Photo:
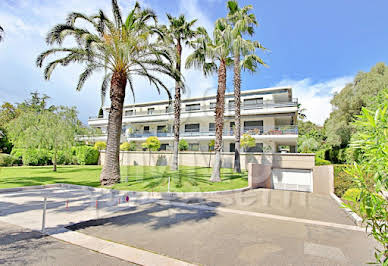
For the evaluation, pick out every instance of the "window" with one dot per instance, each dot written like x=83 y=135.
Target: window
x=193 y=107
x=231 y=104
x=146 y=129
x=257 y=148
x=163 y=147
x=150 y=111
x=193 y=146
x=212 y=127
x=192 y=128
x=253 y=102
x=212 y=105
x=253 y=127
x=232 y=147
x=128 y=113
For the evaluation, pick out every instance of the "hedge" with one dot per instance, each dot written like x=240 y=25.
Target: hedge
x=86 y=155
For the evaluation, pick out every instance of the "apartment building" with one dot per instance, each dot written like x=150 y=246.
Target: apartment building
x=268 y=115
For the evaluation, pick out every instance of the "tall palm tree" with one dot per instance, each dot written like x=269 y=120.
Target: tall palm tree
x=1 y=33
x=122 y=49
x=208 y=52
x=178 y=31
x=243 y=22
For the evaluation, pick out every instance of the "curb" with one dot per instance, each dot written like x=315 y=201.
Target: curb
x=163 y=195
x=356 y=219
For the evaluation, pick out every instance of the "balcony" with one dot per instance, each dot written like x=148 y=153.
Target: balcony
x=204 y=108
x=254 y=131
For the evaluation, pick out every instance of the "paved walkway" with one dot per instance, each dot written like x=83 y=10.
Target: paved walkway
x=257 y=227
x=21 y=246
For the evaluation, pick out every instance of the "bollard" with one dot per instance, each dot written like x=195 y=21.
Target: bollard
x=169 y=184
x=44 y=215
x=96 y=204
x=67 y=204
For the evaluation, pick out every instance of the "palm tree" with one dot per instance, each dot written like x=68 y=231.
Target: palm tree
x=121 y=49
x=179 y=30
x=243 y=22
x=1 y=33
x=206 y=55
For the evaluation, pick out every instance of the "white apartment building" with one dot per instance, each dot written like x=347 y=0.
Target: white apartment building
x=268 y=115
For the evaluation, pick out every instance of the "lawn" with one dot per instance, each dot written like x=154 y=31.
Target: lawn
x=140 y=178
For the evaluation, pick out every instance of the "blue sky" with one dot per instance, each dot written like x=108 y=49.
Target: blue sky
x=315 y=46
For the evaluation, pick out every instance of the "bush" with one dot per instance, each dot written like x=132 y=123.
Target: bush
x=6 y=160
x=17 y=154
x=131 y=146
x=100 y=145
x=36 y=157
x=319 y=161
x=64 y=157
x=352 y=194
x=86 y=155
x=320 y=154
x=183 y=145
x=344 y=181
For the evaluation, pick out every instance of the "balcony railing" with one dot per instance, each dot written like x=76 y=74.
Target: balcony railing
x=276 y=130
x=265 y=104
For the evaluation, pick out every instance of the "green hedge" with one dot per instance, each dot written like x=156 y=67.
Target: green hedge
x=343 y=181
x=86 y=155
x=36 y=157
x=319 y=161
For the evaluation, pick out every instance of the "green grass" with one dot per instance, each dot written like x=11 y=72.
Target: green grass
x=140 y=178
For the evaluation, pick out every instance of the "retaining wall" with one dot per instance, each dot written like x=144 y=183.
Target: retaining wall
x=206 y=159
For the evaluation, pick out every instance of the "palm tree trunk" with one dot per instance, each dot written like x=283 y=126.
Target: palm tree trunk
x=220 y=106
x=237 y=117
x=111 y=170
x=177 y=109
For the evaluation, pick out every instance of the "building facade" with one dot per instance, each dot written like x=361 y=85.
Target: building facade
x=268 y=115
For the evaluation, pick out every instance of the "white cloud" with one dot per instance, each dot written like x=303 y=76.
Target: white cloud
x=26 y=23
x=315 y=96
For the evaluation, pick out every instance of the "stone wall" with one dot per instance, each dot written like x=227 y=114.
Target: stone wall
x=206 y=159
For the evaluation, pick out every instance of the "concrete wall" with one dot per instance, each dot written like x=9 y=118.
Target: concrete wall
x=206 y=159
x=323 y=179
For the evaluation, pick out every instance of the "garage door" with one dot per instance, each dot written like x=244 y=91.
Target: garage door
x=292 y=179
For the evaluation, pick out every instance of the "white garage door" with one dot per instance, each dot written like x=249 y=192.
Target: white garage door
x=292 y=179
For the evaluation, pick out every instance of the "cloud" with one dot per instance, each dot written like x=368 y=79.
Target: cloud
x=315 y=96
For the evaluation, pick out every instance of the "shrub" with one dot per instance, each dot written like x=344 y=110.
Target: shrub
x=100 y=145
x=342 y=180
x=320 y=154
x=86 y=155
x=17 y=154
x=152 y=144
x=6 y=160
x=352 y=194
x=36 y=157
x=131 y=146
x=183 y=145
x=319 y=161
x=64 y=157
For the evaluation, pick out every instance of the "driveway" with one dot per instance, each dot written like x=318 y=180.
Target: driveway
x=242 y=233
x=265 y=227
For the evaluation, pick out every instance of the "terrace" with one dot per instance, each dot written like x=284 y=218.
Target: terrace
x=204 y=108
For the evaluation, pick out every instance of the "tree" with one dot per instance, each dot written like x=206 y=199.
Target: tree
x=247 y=141
x=128 y=146
x=179 y=31
x=51 y=130
x=123 y=49
x=347 y=104
x=100 y=145
x=372 y=141
x=183 y=145
x=307 y=144
x=243 y=22
x=207 y=53
x=152 y=144
x=100 y=113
